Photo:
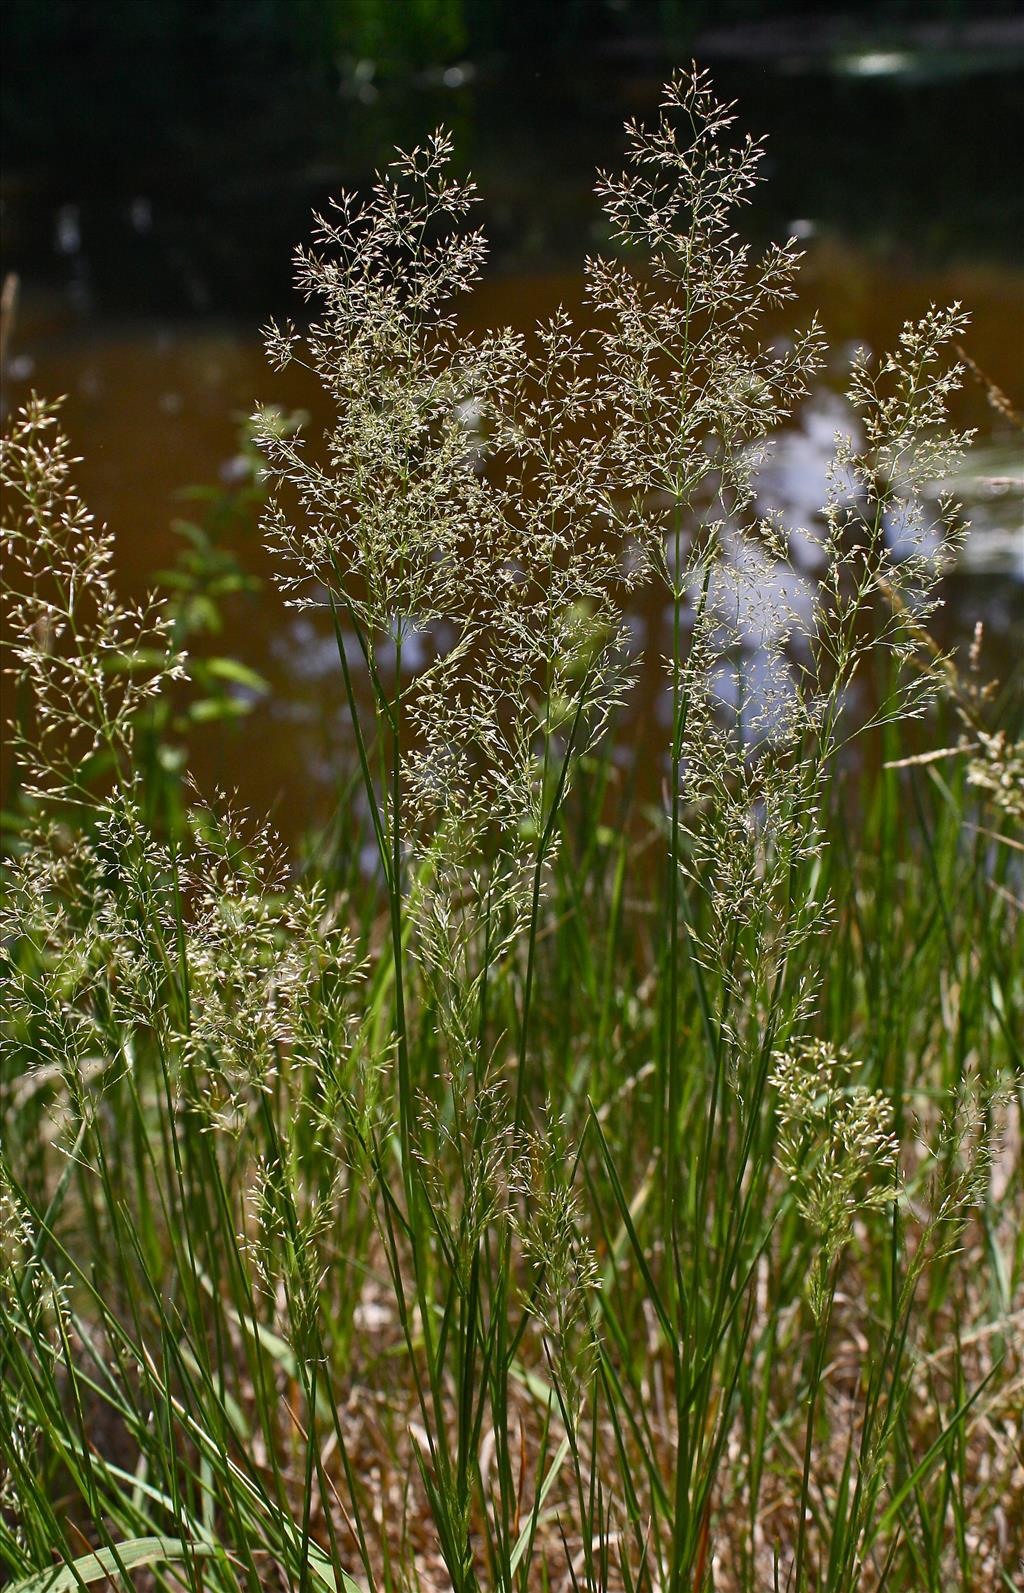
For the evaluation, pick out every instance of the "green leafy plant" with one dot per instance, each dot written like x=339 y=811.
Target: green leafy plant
x=515 y=1219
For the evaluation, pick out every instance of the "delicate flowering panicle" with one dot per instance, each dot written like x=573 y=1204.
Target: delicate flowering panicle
x=385 y=517
x=82 y=970
x=960 y=1160
x=747 y=830
x=100 y=959
x=995 y=762
x=751 y=803
x=501 y=722
x=290 y=1247
x=85 y=662
x=761 y=662
x=903 y=403
x=690 y=395
x=885 y=542
x=269 y=969
x=835 y=1145
x=563 y=1269
x=471 y=1136
x=693 y=401
x=458 y=497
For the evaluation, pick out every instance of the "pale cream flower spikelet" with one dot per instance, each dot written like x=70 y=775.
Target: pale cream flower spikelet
x=835 y=1145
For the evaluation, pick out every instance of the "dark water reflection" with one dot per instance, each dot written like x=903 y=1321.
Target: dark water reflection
x=142 y=288
x=179 y=185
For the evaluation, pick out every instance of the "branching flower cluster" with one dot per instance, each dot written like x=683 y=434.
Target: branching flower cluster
x=455 y=499
x=837 y=1147
x=762 y=664
x=117 y=936
x=83 y=663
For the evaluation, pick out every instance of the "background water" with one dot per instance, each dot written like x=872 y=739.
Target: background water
x=162 y=158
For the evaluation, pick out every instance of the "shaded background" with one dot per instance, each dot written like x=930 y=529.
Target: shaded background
x=165 y=154
x=161 y=158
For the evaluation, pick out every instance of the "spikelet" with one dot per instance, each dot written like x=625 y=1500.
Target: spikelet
x=837 y=1148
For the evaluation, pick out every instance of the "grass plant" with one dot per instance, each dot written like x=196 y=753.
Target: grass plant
x=577 y=1196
